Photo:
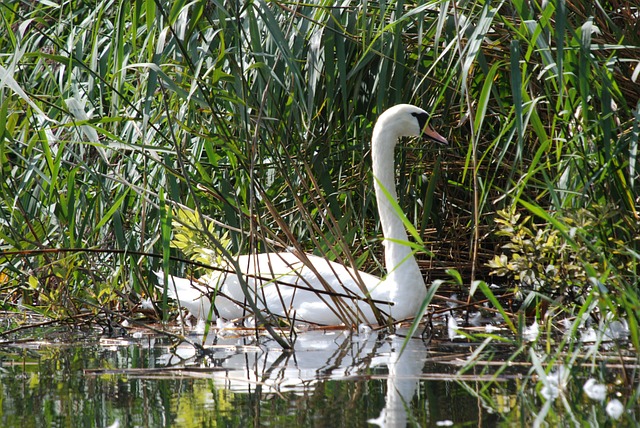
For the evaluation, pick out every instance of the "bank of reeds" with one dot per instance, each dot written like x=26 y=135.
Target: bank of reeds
x=115 y=117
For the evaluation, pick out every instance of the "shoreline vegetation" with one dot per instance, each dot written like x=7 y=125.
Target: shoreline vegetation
x=152 y=136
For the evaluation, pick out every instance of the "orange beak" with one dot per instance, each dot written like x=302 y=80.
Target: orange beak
x=431 y=134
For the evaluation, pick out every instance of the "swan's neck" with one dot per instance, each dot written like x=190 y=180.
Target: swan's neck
x=400 y=262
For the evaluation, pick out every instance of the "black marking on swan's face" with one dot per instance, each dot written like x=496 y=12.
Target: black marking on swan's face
x=427 y=131
x=422 y=119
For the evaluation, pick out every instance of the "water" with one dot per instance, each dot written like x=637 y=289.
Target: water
x=331 y=379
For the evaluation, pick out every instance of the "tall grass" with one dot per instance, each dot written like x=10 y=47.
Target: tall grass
x=258 y=115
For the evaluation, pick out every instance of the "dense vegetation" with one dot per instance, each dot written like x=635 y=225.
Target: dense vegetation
x=118 y=119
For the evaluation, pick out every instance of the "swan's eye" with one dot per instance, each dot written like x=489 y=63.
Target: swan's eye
x=422 y=119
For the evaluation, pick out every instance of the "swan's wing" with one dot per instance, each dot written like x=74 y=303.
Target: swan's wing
x=316 y=290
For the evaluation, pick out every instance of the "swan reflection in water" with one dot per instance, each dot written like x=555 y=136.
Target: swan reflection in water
x=242 y=366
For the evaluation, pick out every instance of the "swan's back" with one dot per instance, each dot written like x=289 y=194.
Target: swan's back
x=292 y=288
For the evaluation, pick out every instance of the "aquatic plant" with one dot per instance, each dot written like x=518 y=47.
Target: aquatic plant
x=539 y=257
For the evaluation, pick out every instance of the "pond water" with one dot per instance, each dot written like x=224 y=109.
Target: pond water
x=331 y=379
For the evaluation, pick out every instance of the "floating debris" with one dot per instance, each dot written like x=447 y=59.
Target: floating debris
x=490 y=328
x=614 y=409
x=554 y=383
x=146 y=305
x=612 y=331
x=530 y=334
x=364 y=329
x=594 y=390
x=617 y=330
x=452 y=328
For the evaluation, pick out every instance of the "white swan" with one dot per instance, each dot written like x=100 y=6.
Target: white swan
x=271 y=275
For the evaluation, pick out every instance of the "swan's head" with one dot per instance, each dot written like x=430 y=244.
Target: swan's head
x=406 y=120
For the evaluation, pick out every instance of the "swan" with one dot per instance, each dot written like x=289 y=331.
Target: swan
x=294 y=285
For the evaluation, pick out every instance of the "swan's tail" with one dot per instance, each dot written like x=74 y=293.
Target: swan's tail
x=175 y=284
x=185 y=291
